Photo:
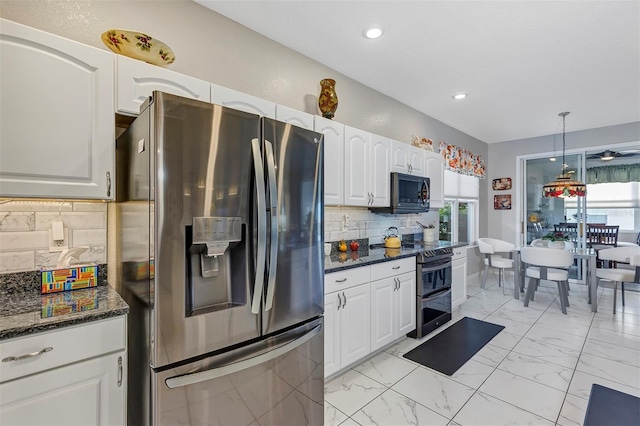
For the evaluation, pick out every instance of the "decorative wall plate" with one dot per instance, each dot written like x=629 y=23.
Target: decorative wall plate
x=139 y=46
x=501 y=184
x=502 y=202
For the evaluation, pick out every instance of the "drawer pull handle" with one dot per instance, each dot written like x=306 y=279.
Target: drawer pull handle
x=396 y=267
x=119 y=371
x=25 y=356
x=341 y=281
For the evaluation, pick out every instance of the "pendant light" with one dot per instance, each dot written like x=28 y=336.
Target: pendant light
x=564 y=186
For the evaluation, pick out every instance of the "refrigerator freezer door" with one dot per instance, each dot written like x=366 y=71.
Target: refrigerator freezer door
x=275 y=382
x=294 y=293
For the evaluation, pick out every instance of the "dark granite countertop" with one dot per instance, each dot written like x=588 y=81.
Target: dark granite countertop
x=24 y=311
x=339 y=261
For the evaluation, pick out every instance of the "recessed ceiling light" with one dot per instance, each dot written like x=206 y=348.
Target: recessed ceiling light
x=373 y=31
x=459 y=96
x=552 y=159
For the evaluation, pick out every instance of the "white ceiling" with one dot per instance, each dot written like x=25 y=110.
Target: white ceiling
x=522 y=62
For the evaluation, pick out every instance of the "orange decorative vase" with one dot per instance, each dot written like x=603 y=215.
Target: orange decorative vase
x=328 y=100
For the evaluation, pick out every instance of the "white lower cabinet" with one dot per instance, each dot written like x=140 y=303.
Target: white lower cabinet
x=361 y=316
x=459 y=276
x=68 y=376
x=393 y=302
x=347 y=337
x=86 y=393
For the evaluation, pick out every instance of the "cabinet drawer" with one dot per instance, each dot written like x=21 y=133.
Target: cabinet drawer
x=335 y=281
x=391 y=268
x=69 y=345
x=459 y=253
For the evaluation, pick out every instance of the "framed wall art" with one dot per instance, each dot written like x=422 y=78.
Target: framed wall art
x=501 y=184
x=502 y=202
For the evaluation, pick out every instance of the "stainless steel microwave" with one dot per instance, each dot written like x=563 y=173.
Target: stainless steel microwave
x=409 y=194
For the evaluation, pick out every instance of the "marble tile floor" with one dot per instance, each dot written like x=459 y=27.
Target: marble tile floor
x=537 y=371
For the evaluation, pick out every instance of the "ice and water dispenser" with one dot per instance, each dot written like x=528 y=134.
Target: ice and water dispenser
x=216 y=264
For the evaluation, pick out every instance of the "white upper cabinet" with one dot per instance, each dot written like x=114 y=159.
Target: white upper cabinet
x=357 y=167
x=333 y=160
x=434 y=168
x=237 y=100
x=57 y=132
x=137 y=80
x=295 y=117
x=407 y=159
x=367 y=166
x=379 y=179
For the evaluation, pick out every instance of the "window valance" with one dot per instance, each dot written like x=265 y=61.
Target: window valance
x=462 y=160
x=614 y=173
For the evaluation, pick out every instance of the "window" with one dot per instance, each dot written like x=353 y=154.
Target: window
x=459 y=220
x=610 y=203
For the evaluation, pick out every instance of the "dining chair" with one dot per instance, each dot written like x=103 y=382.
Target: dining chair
x=618 y=255
x=568 y=229
x=544 y=265
x=491 y=248
x=601 y=237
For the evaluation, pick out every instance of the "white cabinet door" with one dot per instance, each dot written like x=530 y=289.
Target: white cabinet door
x=136 y=80
x=237 y=100
x=379 y=179
x=87 y=393
x=406 y=304
x=434 y=167
x=356 y=167
x=383 y=312
x=57 y=123
x=399 y=157
x=295 y=117
x=333 y=160
x=416 y=161
x=355 y=314
x=331 y=334
x=459 y=277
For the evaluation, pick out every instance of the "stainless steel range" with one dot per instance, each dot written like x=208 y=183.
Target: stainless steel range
x=433 y=289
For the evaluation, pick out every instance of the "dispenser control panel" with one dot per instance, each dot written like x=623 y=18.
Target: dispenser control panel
x=216 y=229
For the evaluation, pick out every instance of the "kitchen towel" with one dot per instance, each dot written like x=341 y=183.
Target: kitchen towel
x=453 y=347
x=609 y=407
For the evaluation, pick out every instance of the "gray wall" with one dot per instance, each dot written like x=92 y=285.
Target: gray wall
x=213 y=48
x=503 y=224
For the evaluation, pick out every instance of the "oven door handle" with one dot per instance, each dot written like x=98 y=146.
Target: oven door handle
x=438 y=294
x=430 y=268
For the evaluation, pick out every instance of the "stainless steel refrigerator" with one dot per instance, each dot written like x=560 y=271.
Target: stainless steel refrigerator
x=220 y=232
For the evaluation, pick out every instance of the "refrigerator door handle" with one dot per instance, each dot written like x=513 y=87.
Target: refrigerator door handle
x=192 y=378
x=262 y=227
x=273 y=201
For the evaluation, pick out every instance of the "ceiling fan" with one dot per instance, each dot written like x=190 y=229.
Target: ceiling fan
x=608 y=155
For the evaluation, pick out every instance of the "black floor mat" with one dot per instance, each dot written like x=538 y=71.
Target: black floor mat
x=609 y=407
x=450 y=349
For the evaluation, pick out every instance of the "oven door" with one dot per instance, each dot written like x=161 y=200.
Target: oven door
x=435 y=276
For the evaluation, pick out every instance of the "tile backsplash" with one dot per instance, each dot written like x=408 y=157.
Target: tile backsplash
x=362 y=223
x=24 y=229
x=24 y=232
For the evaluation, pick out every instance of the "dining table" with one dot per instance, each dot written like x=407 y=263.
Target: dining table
x=587 y=254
